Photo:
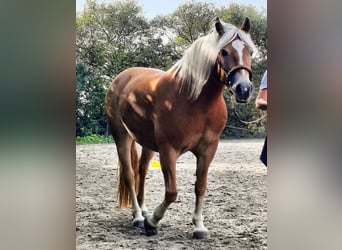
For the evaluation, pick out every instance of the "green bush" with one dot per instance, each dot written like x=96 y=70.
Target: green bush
x=93 y=139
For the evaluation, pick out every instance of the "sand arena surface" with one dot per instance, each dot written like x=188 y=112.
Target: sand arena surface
x=235 y=204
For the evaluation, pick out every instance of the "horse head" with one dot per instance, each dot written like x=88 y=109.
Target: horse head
x=234 y=60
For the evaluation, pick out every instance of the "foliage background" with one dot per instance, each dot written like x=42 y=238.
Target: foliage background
x=113 y=37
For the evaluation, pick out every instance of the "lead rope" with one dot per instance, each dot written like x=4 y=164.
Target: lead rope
x=249 y=122
x=239 y=118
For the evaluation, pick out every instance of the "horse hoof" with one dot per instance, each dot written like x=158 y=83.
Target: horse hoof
x=138 y=223
x=149 y=229
x=200 y=235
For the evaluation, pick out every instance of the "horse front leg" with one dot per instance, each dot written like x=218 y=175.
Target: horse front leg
x=204 y=159
x=168 y=165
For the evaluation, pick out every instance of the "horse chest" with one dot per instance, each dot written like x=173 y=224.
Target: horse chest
x=193 y=123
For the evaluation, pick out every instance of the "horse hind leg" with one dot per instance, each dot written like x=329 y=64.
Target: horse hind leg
x=140 y=168
x=127 y=188
x=146 y=156
x=127 y=157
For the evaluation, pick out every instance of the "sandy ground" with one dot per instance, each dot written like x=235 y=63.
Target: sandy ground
x=235 y=207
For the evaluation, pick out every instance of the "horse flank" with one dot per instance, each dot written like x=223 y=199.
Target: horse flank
x=194 y=68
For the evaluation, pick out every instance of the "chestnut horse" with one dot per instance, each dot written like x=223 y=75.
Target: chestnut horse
x=177 y=111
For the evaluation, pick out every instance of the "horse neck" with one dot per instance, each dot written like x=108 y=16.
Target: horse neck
x=213 y=89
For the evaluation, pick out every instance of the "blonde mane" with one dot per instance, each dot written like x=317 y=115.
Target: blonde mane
x=194 y=68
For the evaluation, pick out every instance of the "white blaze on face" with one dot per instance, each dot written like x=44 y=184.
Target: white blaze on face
x=239 y=45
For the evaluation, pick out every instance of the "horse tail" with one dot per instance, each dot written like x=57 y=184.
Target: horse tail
x=123 y=191
x=124 y=197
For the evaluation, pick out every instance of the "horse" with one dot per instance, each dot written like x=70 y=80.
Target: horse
x=175 y=111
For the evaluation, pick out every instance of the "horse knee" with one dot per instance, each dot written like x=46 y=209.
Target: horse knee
x=171 y=196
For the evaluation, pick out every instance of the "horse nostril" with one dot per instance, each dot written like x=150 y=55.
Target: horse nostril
x=238 y=89
x=242 y=89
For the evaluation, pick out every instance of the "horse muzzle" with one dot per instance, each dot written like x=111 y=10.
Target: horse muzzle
x=240 y=84
x=242 y=91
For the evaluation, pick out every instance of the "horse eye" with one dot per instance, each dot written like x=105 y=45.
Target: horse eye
x=224 y=52
x=251 y=52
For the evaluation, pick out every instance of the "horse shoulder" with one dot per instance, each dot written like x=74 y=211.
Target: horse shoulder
x=218 y=115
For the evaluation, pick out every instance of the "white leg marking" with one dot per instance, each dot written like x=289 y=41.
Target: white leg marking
x=158 y=214
x=137 y=213
x=197 y=220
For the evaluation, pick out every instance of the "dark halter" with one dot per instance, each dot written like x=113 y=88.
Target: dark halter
x=228 y=74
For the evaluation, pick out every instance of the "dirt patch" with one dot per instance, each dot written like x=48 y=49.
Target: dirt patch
x=235 y=206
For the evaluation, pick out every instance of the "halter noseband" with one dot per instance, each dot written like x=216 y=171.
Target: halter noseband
x=228 y=74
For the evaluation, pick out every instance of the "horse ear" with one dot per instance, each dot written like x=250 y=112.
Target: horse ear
x=219 y=26
x=246 y=26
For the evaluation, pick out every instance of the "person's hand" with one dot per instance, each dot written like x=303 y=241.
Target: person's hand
x=261 y=104
x=261 y=100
